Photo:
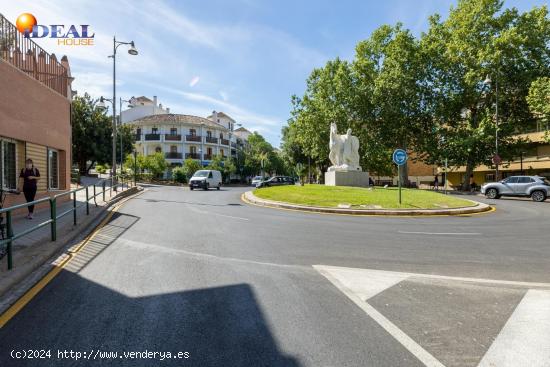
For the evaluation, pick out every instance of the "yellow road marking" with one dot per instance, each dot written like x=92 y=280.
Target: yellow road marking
x=492 y=209
x=71 y=254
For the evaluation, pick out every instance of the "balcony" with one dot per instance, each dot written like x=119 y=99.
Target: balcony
x=224 y=142
x=192 y=138
x=210 y=139
x=31 y=59
x=137 y=137
x=207 y=157
x=192 y=155
x=172 y=137
x=152 y=137
x=173 y=155
x=233 y=145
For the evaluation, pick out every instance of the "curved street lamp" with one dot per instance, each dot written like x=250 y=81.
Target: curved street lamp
x=132 y=51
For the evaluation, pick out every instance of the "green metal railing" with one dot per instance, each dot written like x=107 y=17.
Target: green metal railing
x=116 y=182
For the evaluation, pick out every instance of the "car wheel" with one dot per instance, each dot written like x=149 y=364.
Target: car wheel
x=205 y=187
x=538 y=196
x=218 y=187
x=492 y=194
x=191 y=188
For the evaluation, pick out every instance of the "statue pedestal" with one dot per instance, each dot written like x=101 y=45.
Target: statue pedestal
x=347 y=178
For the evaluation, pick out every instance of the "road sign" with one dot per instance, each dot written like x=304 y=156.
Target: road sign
x=497 y=159
x=399 y=157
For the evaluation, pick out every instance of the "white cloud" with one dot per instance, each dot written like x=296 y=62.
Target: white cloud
x=194 y=81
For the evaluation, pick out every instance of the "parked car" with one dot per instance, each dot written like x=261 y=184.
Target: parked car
x=276 y=181
x=257 y=179
x=205 y=179
x=538 y=188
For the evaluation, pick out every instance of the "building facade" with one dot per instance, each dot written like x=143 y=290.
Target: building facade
x=533 y=160
x=180 y=137
x=35 y=113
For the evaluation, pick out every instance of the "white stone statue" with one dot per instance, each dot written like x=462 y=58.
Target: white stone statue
x=344 y=151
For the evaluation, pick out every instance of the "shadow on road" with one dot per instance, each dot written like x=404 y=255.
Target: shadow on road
x=185 y=202
x=221 y=326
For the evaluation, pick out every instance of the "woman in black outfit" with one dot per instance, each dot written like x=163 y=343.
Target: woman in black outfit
x=29 y=176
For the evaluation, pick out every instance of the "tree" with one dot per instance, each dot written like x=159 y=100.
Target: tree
x=539 y=101
x=479 y=39
x=224 y=165
x=190 y=166
x=128 y=135
x=91 y=133
x=156 y=164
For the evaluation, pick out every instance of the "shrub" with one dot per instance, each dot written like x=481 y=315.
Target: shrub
x=178 y=174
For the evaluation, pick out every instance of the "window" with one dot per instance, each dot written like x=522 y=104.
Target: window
x=192 y=132
x=8 y=176
x=221 y=135
x=209 y=134
x=524 y=179
x=173 y=131
x=193 y=149
x=53 y=169
x=138 y=132
x=209 y=151
x=154 y=130
x=511 y=180
x=173 y=149
x=221 y=152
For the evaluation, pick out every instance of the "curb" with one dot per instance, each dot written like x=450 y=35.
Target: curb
x=250 y=198
x=27 y=275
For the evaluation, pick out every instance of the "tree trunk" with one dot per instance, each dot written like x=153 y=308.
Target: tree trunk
x=469 y=172
x=89 y=167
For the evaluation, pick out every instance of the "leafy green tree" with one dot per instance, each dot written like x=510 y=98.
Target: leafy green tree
x=179 y=174
x=190 y=166
x=539 y=102
x=224 y=165
x=156 y=164
x=128 y=139
x=91 y=133
x=479 y=38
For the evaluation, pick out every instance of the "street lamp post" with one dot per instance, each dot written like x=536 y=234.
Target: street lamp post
x=496 y=158
x=132 y=51
x=120 y=125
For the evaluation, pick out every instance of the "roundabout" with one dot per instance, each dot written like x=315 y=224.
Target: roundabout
x=360 y=201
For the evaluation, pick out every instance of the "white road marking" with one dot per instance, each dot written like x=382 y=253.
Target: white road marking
x=444 y=233
x=213 y=213
x=444 y=277
x=525 y=338
x=386 y=324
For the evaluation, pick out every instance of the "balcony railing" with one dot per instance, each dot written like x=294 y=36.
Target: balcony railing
x=224 y=142
x=192 y=138
x=152 y=137
x=172 y=137
x=173 y=155
x=27 y=56
x=192 y=155
x=210 y=139
x=207 y=157
x=233 y=145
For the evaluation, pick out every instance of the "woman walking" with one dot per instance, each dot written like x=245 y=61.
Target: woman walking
x=28 y=178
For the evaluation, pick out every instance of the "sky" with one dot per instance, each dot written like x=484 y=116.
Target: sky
x=243 y=57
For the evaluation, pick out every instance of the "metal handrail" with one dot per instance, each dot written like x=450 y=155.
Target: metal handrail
x=116 y=182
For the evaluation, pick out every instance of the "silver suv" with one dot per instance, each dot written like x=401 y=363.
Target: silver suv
x=538 y=188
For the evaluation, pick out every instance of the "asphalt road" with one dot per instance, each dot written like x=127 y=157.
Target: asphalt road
x=234 y=285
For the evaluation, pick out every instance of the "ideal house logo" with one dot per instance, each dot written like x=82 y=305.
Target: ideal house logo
x=68 y=36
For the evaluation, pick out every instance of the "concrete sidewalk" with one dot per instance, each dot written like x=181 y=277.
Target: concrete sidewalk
x=31 y=251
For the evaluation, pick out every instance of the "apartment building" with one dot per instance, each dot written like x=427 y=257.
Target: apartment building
x=533 y=160
x=35 y=113
x=181 y=136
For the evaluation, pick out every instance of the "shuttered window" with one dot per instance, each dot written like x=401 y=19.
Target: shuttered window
x=53 y=169
x=8 y=160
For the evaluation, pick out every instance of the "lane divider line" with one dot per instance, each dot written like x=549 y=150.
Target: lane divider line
x=58 y=266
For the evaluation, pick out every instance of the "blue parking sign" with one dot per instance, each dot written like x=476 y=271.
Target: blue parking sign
x=399 y=157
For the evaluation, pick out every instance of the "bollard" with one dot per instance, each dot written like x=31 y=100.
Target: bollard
x=87 y=203
x=53 y=217
x=95 y=201
x=74 y=208
x=10 y=238
x=104 y=191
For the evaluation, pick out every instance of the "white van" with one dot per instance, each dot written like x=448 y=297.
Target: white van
x=205 y=179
